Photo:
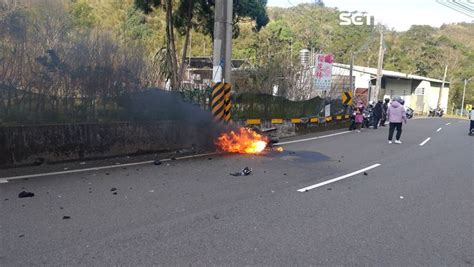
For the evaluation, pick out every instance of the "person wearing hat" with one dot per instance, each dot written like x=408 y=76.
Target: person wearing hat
x=396 y=116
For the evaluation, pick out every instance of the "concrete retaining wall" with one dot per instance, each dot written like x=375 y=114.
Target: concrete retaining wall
x=24 y=144
x=21 y=145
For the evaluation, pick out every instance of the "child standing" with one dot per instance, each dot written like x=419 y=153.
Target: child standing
x=359 y=116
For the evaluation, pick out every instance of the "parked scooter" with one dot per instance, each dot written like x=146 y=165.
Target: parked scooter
x=436 y=112
x=409 y=112
x=368 y=117
x=439 y=112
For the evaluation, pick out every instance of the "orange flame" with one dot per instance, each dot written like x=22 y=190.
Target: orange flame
x=278 y=149
x=245 y=141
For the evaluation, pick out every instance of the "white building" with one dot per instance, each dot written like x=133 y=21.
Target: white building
x=420 y=93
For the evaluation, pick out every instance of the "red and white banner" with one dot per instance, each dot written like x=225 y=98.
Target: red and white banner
x=323 y=72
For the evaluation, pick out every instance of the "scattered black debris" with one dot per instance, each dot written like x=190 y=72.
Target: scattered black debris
x=157 y=162
x=61 y=208
x=24 y=194
x=173 y=158
x=124 y=168
x=138 y=169
x=113 y=189
x=47 y=193
x=23 y=205
x=216 y=216
x=38 y=161
x=365 y=173
x=90 y=192
x=66 y=217
x=285 y=173
x=107 y=173
x=264 y=171
x=6 y=199
x=209 y=158
x=115 y=193
x=21 y=235
x=339 y=161
x=244 y=172
x=131 y=188
x=292 y=152
x=329 y=188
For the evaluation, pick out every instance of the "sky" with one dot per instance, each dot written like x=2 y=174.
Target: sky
x=397 y=14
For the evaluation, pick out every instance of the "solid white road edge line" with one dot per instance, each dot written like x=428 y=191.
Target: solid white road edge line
x=424 y=142
x=5 y=179
x=448 y=123
x=439 y=129
x=338 y=178
x=310 y=139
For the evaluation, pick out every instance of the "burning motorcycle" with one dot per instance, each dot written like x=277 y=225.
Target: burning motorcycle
x=246 y=140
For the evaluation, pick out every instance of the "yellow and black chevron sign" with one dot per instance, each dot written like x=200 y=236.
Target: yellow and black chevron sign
x=220 y=101
x=347 y=98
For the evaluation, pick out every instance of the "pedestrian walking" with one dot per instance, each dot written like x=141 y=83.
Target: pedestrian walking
x=396 y=116
x=359 y=116
x=378 y=112
x=384 y=112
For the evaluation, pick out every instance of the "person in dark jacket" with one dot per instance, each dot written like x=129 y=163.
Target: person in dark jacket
x=378 y=112
x=384 y=112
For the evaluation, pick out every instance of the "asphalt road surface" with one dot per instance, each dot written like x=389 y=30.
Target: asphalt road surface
x=312 y=204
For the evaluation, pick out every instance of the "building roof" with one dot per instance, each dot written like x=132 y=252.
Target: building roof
x=388 y=73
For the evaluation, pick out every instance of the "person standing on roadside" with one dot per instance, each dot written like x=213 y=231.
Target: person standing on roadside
x=359 y=116
x=396 y=116
x=378 y=112
x=384 y=112
x=471 y=117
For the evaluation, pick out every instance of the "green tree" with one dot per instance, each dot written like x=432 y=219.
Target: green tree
x=199 y=15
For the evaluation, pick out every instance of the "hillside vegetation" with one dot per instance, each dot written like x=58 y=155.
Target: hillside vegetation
x=98 y=49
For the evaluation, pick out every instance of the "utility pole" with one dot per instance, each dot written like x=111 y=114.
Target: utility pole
x=351 y=85
x=378 y=84
x=228 y=41
x=291 y=52
x=220 y=101
x=222 y=55
x=442 y=86
x=463 y=95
